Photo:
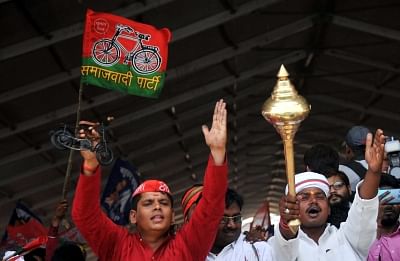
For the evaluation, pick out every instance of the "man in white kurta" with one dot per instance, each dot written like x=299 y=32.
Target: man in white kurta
x=350 y=242
x=241 y=249
x=230 y=243
x=317 y=240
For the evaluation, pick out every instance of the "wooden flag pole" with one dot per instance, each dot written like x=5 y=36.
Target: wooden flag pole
x=67 y=179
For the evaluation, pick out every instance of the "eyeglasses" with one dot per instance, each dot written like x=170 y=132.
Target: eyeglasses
x=337 y=185
x=236 y=219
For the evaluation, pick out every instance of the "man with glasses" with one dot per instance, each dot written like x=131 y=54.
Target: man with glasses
x=230 y=242
x=317 y=240
x=339 y=197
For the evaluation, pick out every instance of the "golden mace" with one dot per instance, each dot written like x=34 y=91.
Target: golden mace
x=285 y=110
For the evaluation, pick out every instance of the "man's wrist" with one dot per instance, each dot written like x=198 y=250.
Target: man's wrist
x=285 y=230
x=219 y=156
x=89 y=167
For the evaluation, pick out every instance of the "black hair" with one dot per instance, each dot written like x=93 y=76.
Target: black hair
x=340 y=174
x=388 y=180
x=69 y=251
x=136 y=199
x=232 y=196
x=322 y=159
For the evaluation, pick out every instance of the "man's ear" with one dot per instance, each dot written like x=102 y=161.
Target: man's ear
x=133 y=216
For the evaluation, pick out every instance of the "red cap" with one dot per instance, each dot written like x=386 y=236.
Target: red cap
x=152 y=185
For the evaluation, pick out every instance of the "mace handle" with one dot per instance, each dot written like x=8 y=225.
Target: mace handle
x=289 y=159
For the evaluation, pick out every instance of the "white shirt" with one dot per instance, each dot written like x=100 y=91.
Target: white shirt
x=354 y=178
x=350 y=242
x=244 y=251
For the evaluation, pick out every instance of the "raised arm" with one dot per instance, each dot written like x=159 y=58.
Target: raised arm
x=360 y=226
x=52 y=241
x=94 y=225
x=374 y=150
x=200 y=231
x=216 y=137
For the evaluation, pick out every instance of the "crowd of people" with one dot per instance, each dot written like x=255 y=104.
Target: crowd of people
x=342 y=216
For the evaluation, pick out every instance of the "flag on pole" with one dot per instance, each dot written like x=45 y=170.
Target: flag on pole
x=116 y=198
x=121 y=54
x=23 y=227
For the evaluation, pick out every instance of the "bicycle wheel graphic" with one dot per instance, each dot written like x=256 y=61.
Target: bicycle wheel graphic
x=106 y=53
x=146 y=61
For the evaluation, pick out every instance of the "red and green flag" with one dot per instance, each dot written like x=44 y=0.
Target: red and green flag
x=121 y=54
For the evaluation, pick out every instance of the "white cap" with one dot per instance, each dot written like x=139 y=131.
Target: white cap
x=310 y=180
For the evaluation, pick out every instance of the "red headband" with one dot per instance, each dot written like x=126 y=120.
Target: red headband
x=152 y=186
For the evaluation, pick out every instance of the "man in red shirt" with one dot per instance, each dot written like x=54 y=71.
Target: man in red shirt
x=152 y=208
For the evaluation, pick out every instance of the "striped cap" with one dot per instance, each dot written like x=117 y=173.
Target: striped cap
x=310 y=180
x=191 y=196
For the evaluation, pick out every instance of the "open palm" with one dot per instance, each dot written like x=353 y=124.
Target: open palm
x=216 y=136
x=374 y=150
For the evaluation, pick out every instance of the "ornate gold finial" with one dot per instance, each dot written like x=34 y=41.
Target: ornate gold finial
x=285 y=106
x=282 y=73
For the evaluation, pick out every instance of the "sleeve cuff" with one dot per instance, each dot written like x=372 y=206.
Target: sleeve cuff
x=366 y=202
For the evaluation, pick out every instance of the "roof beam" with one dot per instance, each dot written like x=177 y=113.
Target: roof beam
x=362 y=60
x=72 y=31
x=359 y=85
x=132 y=10
x=355 y=106
x=198 y=64
x=162 y=105
x=366 y=27
x=262 y=68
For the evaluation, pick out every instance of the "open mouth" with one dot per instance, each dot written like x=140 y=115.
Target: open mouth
x=157 y=218
x=313 y=211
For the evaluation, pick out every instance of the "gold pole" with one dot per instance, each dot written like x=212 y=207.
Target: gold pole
x=289 y=159
x=285 y=110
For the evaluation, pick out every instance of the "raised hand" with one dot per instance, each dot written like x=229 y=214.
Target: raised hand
x=256 y=234
x=289 y=209
x=374 y=151
x=90 y=133
x=216 y=136
x=60 y=212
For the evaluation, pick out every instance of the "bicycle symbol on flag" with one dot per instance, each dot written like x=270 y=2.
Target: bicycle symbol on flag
x=144 y=59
